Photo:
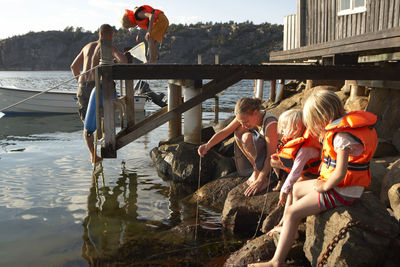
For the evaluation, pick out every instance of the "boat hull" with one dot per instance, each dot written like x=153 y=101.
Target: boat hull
x=49 y=102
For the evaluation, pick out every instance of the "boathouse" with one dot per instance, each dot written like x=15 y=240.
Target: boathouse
x=357 y=41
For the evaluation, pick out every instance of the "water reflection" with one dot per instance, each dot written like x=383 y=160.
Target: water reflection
x=114 y=233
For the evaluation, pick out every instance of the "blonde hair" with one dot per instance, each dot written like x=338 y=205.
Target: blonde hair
x=290 y=123
x=247 y=105
x=125 y=22
x=321 y=108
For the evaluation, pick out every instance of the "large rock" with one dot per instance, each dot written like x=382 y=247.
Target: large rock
x=358 y=247
x=356 y=103
x=241 y=213
x=392 y=177
x=394 y=198
x=260 y=249
x=272 y=219
x=180 y=163
x=385 y=103
x=379 y=168
x=214 y=193
x=385 y=149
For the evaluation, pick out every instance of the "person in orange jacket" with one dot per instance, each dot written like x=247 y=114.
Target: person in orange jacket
x=298 y=156
x=348 y=144
x=150 y=19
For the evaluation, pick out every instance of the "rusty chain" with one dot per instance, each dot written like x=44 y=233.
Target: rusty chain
x=342 y=232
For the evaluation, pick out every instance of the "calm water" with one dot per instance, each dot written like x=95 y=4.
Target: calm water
x=53 y=212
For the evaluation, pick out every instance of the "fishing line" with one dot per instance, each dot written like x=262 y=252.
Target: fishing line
x=265 y=201
x=197 y=202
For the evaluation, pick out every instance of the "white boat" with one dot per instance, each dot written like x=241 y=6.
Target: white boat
x=50 y=102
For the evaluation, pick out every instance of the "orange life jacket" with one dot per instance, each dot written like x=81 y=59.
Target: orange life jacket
x=359 y=124
x=142 y=23
x=287 y=153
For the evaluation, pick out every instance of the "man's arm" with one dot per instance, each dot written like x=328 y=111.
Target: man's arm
x=121 y=58
x=76 y=65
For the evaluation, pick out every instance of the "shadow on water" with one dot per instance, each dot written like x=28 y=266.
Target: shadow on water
x=115 y=235
x=26 y=125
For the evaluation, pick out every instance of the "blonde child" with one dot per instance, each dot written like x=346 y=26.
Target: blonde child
x=255 y=134
x=299 y=156
x=349 y=142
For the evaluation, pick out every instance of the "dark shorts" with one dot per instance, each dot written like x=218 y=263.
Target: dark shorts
x=331 y=199
x=83 y=95
x=243 y=165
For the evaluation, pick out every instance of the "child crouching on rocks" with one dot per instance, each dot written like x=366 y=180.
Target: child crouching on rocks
x=255 y=134
x=349 y=142
x=299 y=156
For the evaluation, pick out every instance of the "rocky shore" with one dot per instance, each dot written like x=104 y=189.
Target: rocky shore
x=370 y=228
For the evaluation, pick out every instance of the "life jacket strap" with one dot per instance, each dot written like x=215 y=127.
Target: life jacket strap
x=351 y=166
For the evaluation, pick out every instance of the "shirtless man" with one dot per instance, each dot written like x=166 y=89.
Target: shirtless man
x=88 y=58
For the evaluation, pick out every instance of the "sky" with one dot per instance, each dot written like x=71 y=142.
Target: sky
x=18 y=17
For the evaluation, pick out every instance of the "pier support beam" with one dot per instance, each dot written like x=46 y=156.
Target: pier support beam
x=259 y=89
x=174 y=100
x=281 y=86
x=107 y=83
x=192 y=117
x=272 y=92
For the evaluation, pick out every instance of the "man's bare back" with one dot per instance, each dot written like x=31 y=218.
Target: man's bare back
x=88 y=58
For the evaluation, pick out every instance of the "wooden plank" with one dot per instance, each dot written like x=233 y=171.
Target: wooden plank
x=385 y=14
x=379 y=16
x=209 y=90
x=354 y=23
x=333 y=21
x=130 y=103
x=309 y=23
x=109 y=149
x=376 y=16
x=396 y=15
x=98 y=121
x=349 y=25
x=382 y=40
x=391 y=13
x=264 y=72
x=363 y=22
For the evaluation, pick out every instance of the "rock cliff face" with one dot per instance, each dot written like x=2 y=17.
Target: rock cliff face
x=236 y=43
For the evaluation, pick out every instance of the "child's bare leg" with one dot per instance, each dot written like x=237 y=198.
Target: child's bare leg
x=278 y=227
x=303 y=207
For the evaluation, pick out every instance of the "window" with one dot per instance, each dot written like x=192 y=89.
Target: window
x=347 y=7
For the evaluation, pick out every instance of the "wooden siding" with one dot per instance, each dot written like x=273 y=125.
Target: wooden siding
x=290 y=37
x=322 y=24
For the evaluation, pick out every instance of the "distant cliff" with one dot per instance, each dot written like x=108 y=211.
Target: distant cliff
x=236 y=43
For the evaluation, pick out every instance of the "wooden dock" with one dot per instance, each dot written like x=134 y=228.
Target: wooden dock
x=220 y=78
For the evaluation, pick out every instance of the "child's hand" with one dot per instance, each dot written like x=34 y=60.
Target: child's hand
x=282 y=198
x=319 y=186
x=202 y=150
x=275 y=162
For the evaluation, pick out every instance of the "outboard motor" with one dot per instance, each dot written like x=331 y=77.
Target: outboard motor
x=143 y=88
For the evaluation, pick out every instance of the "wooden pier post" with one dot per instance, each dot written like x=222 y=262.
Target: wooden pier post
x=216 y=98
x=259 y=89
x=280 y=91
x=130 y=100
x=192 y=117
x=107 y=84
x=272 y=92
x=174 y=100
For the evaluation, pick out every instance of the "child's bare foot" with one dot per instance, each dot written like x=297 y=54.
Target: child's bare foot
x=276 y=229
x=252 y=178
x=270 y=263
